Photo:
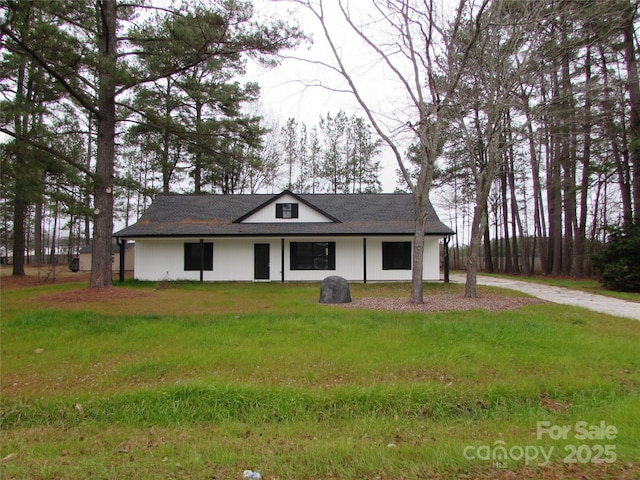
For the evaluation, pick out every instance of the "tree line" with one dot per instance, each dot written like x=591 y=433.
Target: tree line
x=550 y=113
x=337 y=155
x=523 y=117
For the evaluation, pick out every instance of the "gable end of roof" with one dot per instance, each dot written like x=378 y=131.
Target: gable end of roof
x=278 y=197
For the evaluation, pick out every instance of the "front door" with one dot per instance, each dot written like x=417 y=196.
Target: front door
x=261 y=261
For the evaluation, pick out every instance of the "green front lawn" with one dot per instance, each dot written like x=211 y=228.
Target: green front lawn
x=205 y=381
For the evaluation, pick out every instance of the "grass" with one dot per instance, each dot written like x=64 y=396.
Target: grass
x=204 y=381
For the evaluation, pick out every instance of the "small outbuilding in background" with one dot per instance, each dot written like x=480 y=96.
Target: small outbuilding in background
x=85 y=257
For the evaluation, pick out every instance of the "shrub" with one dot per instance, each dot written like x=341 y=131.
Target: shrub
x=618 y=263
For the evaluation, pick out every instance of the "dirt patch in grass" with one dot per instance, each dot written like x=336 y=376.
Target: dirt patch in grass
x=553 y=471
x=444 y=303
x=91 y=295
x=33 y=279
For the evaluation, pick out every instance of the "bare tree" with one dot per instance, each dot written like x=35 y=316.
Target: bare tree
x=415 y=46
x=484 y=99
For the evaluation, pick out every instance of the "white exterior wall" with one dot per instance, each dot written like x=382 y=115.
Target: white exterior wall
x=233 y=260
x=431 y=264
x=431 y=259
x=163 y=259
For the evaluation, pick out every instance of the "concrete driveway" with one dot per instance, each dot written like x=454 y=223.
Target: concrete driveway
x=598 y=303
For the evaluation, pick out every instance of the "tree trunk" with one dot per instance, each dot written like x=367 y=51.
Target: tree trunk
x=417 y=287
x=19 y=246
x=166 y=172
x=579 y=243
x=38 y=249
x=568 y=159
x=596 y=205
x=421 y=191
x=480 y=220
x=19 y=201
x=554 y=206
x=524 y=241
x=477 y=231
x=516 y=221
x=488 y=254
x=633 y=87
x=508 y=266
x=101 y=273
x=87 y=198
x=621 y=164
x=538 y=215
x=54 y=233
x=497 y=250
x=554 y=195
x=197 y=168
x=569 y=211
x=167 y=165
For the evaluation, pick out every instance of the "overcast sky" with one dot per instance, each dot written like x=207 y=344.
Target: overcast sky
x=287 y=90
x=302 y=90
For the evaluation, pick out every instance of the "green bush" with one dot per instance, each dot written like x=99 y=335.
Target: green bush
x=618 y=263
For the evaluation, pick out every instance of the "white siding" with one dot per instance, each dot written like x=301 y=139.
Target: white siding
x=375 y=272
x=233 y=260
x=267 y=214
x=160 y=259
x=431 y=259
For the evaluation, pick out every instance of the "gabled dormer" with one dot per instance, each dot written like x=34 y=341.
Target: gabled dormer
x=286 y=207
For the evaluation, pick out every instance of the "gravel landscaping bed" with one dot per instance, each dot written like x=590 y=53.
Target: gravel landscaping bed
x=443 y=303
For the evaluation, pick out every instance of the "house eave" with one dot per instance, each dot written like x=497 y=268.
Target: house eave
x=278 y=235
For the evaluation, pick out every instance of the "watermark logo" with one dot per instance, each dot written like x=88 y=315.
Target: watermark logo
x=499 y=453
x=580 y=431
x=581 y=448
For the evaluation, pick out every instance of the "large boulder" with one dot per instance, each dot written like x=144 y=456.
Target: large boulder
x=335 y=289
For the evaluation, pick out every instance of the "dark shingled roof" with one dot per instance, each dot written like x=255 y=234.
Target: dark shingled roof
x=221 y=215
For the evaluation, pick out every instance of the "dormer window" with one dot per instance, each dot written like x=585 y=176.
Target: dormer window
x=286 y=210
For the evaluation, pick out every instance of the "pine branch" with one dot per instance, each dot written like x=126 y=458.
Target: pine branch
x=82 y=99
x=49 y=150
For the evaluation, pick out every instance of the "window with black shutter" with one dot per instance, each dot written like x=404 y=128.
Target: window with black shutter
x=193 y=256
x=396 y=255
x=286 y=210
x=313 y=255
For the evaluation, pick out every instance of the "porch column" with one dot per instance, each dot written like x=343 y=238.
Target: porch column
x=282 y=259
x=202 y=259
x=364 y=259
x=446 y=259
x=122 y=243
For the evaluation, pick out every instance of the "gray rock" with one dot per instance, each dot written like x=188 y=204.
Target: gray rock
x=335 y=289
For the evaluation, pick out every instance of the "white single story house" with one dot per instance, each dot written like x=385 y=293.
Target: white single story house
x=281 y=237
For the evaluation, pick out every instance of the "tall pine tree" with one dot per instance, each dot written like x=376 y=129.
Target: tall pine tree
x=96 y=52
